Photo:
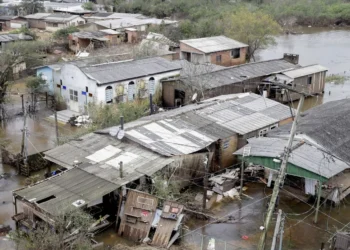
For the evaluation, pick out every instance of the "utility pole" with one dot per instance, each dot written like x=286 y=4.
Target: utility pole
x=121 y=169
x=318 y=200
x=282 y=232
x=24 y=151
x=56 y=122
x=206 y=167
x=246 y=152
x=279 y=181
x=277 y=229
x=151 y=104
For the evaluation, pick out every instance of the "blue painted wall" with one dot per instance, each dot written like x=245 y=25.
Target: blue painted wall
x=47 y=73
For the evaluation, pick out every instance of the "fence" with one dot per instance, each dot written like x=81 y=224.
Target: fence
x=199 y=241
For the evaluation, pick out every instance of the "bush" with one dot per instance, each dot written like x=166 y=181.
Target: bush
x=35 y=83
x=63 y=33
x=26 y=31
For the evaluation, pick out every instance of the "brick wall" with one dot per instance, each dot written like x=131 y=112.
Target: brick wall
x=227 y=60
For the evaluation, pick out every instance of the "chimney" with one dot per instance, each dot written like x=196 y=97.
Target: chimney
x=292 y=58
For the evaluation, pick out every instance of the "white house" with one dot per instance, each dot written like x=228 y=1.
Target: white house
x=113 y=82
x=58 y=21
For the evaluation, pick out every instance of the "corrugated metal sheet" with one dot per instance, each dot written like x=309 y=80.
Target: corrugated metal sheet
x=68 y=187
x=100 y=155
x=304 y=71
x=306 y=156
x=13 y=37
x=213 y=44
x=180 y=132
x=237 y=74
x=120 y=71
x=127 y=22
x=37 y=16
x=139 y=212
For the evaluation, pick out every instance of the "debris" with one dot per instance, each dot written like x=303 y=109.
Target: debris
x=209 y=193
x=146 y=240
x=247 y=196
x=4 y=229
x=245 y=237
x=219 y=198
x=199 y=197
x=232 y=193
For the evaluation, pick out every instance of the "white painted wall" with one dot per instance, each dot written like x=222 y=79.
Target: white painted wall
x=73 y=78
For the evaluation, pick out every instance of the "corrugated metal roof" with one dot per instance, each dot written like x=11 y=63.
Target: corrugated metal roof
x=14 y=37
x=161 y=39
x=213 y=44
x=120 y=71
x=68 y=187
x=98 y=35
x=127 y=22
x=60 y=17
x=238 y=74
x=37 y=16
x=307 y=156
x=7 y=18
x=110 y=32
x=100 y=155
x=304 y=71
x=192 y=128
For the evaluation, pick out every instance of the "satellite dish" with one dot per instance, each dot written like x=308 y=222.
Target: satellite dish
x=113 y=131
x=194 y=97
x=121 y=134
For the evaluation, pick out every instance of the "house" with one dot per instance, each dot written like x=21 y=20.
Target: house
x=18 y=23
x=159 y=42
x=113 y=82
x=230 y=80
x=5 y=22
x=92 y=177
x=320 y=150
x=221 y=125
x=37 y=20
x=309 y=79
x=89 y=40
x=10 y=38
x=91 y=18
x=58 y=21
x=219 y=50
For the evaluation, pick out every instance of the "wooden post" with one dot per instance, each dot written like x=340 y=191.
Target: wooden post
x=242 y=175
x=121 y=122
x=318 y=200
x=121 y=169
x=277 y=229
x=46 y=99
x=280 y=179
x=22 y=104
x=150 y=104
x=206 y=167
x=56 y=126
x=119 y=207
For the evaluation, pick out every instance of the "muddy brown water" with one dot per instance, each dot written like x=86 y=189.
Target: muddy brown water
x=328 y=47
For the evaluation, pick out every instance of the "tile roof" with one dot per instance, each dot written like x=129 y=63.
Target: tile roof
x=213 y=44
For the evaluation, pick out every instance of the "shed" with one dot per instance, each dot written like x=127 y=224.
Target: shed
x=219 y=50
x=139 y=212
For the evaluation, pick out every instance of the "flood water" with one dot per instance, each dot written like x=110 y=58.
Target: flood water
x=325 y=46
x=328 y=47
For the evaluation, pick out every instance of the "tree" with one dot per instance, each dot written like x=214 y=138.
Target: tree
x=31 y=6
x=63 y=33
x=35 y=83
x=29 y=52
x=88 y=6
x=254 y=28
x=71 y=222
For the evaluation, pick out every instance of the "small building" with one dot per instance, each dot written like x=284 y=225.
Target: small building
x=230 y=80
x=222 y=124
x=309 y=79
x=58 y=21
x=219 y=50
x=113 y=82
x=159 y=42
x=18 y=23
x=10 y=38
x=37 y=20
x=5 y=22
x=90 y=40
x=318 y=154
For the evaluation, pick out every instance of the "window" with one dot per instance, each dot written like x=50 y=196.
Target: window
x=151 y=83
x=74 y=42
x=109 y=94
x=73 y=95
x=236 y=53
x=309 y=80
x=218 y=58
x=55 y=25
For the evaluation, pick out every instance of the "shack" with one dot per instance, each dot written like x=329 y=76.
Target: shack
x=318 y=155
x=237 y=79
x=310 y=79
x=222 y=124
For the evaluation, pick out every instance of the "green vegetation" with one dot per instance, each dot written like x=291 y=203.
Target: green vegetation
x=88 y=6
x=24 y=30
x=337 y=79
x=62 y=34
x=35 y=83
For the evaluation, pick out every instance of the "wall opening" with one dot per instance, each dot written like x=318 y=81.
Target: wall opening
x=131 y=91
x=46 y=199
x=109 y=94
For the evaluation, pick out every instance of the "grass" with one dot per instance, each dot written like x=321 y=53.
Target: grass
x=337 y=79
